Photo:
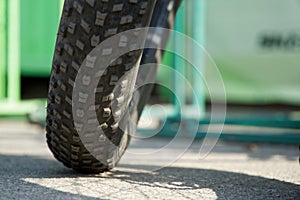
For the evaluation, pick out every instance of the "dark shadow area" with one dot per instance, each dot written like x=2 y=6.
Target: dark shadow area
x=15 y=168
x=226 y=185
x=34 y=87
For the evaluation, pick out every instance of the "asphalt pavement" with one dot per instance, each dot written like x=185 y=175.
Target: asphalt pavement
x=231 y=171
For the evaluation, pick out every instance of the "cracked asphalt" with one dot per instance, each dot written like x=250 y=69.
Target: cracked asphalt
x=231 y=171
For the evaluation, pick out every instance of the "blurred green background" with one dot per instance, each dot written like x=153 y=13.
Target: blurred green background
x=256 y=46
x=39 y=22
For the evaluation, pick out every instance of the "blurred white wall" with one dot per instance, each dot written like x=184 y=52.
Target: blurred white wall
x=256 y=45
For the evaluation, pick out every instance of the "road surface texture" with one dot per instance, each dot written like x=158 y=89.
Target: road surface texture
x=231 y=171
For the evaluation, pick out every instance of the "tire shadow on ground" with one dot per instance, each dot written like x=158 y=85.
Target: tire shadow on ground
x=15 y=170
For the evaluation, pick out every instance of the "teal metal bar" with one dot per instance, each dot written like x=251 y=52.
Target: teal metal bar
x=285 y=135
x=13 y=62
x=179 y=63
x=198 y=23
x=2 y=48
x=258 y=120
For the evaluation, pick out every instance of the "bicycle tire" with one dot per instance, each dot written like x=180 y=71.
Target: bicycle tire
x=82 y=21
